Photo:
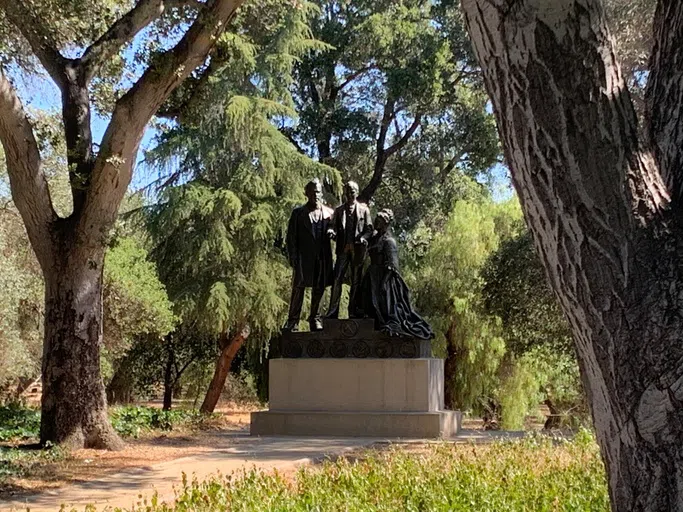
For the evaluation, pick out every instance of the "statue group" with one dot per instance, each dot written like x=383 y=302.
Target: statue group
x=381 y=293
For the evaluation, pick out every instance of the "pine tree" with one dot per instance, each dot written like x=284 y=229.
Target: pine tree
x=232 y=181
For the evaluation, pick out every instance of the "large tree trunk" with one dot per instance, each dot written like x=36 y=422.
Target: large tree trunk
x=602 y=223
x=70 y=251
x=74 y=406
x=229 y=348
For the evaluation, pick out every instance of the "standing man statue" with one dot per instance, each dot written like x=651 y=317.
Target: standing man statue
x=310 y=255
x=351 y=228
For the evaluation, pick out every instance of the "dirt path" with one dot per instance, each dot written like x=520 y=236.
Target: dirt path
x=230 y=452
x=124 y=479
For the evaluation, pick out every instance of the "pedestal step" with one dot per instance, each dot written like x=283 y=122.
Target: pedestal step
x=416 y=425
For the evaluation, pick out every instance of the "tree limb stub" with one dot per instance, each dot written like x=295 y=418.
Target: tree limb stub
x=28 y=183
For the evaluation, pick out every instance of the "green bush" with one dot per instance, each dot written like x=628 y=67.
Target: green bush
x=533 y=474
x=18 y=422
x=131 y=421
x=18 y=462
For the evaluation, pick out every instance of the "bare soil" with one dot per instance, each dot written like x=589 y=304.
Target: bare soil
x=85 y=465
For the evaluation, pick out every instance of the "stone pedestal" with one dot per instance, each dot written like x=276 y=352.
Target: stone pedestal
x=356 y=398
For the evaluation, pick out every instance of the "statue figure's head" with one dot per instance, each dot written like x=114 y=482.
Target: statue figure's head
x=314 y=192
x=383 y=220
x=350 y=192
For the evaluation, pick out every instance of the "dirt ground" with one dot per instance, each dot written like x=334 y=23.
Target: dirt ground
x=86 y=465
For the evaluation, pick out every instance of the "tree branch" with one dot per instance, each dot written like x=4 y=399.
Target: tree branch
x=383 y=154
x=290 y=137
x=664 y=96
x=30 y=191
x=405 y=138
x=125 y=29
x=114 y=165
x=40 y=40
x=351 y=77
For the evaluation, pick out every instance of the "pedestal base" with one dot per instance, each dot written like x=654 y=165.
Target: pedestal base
x=356 y=398
x=416 y=425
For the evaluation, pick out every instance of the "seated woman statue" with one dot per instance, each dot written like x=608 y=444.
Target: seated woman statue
x=385 y=295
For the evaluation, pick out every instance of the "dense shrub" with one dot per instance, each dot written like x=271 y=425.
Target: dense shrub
x=19 y=462
x=18 y=422
x=131 y=421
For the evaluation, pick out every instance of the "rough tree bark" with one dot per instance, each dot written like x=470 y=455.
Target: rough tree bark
x=598 y=205
x=71 y=250
x=229 y=348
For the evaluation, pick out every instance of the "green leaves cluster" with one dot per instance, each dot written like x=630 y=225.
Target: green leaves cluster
x=448 y=284
x=18 y=423
x=136 y=301
x=507 y=346
x=133 y=421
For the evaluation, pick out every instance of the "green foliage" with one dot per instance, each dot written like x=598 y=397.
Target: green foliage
x=391 y=65
x=22 y=423
x=533 y=474
x=17 y=422
x=136 y=301
x=20 y=302
x=536 y=332
x=448 y=283
x=132 y=421
x=517 y=291
x=19 y=462
x=518 y=393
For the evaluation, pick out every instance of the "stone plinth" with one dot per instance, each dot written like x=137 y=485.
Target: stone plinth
x=356 y=397
x=415 y=425
x=382 y=385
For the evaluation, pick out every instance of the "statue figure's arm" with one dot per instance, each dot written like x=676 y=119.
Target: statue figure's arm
x=332 y=226
x=367 y=230
x=292 y=249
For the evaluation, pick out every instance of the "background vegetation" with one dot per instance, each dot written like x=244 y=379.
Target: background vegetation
x=327 y=89
x=381 y=92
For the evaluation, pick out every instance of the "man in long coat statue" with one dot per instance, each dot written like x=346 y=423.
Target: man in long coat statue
x=351 y=228
x=310 y=255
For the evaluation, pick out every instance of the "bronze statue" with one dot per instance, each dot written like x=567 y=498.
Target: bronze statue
x=310 y=255
x=385 y=294
x=351 y=228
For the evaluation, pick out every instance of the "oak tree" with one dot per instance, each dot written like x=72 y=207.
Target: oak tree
x=604 y=208
x=76 y=43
